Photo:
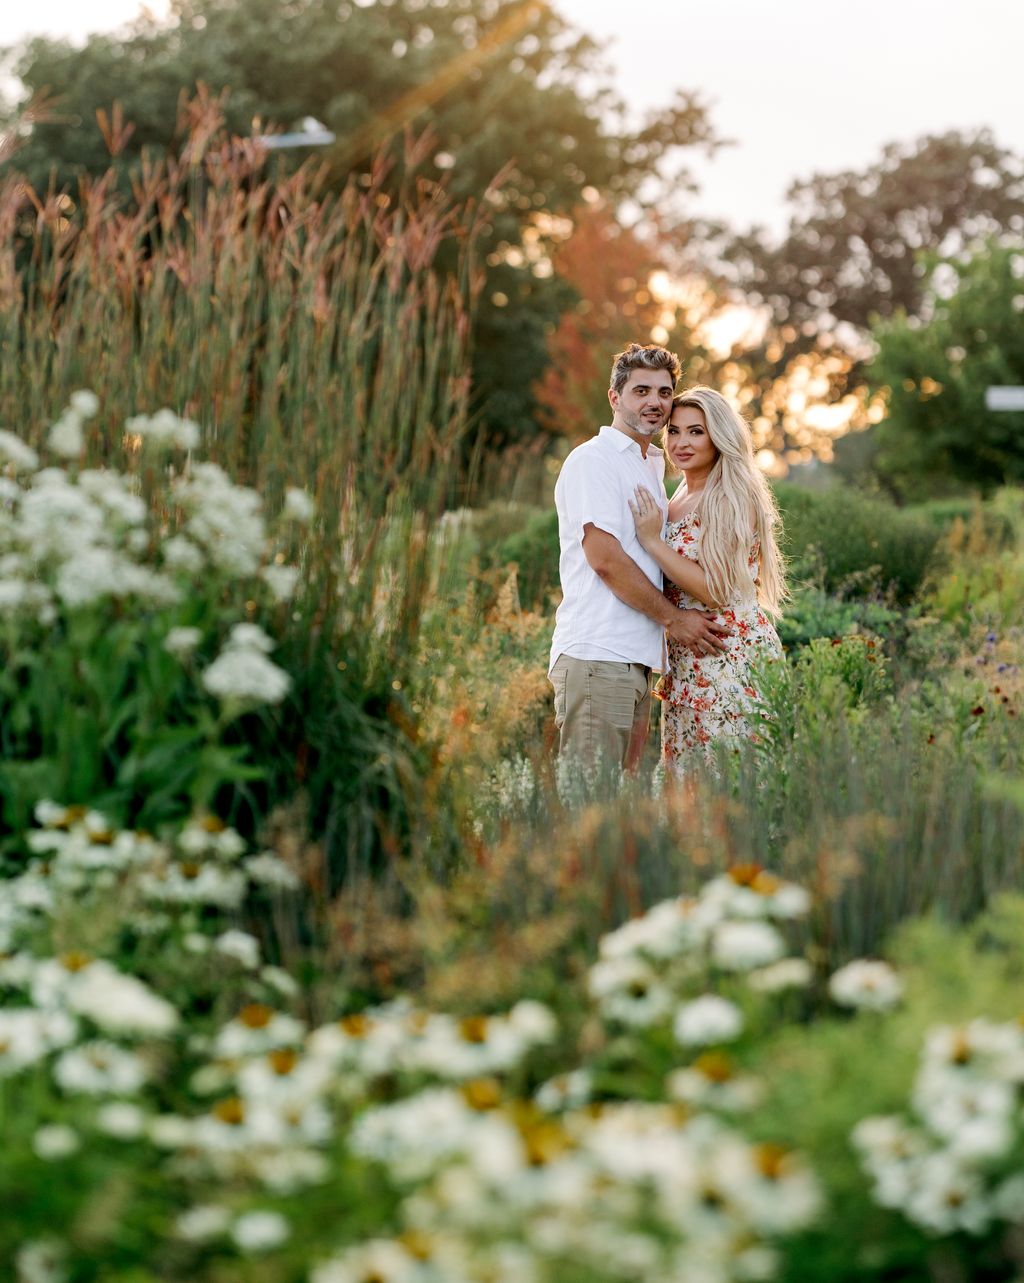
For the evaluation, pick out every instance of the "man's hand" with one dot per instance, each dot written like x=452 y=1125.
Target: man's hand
x=698 y=632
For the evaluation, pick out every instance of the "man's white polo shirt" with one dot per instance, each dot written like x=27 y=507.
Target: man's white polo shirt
x=595 y=485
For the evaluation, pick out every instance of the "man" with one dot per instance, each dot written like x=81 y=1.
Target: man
x=611 y=625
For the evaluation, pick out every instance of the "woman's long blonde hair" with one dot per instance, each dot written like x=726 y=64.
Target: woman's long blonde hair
x=736 y=495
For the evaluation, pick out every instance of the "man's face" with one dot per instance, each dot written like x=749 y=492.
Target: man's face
x=644 y=403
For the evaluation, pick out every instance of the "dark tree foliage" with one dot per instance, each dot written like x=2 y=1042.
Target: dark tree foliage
x=504 y=86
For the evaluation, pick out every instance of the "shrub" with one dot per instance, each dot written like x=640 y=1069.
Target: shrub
x=534 y=550
x=844 y=540
x=811 y=612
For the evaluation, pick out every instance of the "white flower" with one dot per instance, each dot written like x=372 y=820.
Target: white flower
x=246 y=676
x=85 y=404
x=65 y=437
x=790 y=901
x=202 y=1222
x=15 y=452
x=55 y=1141
x=118 y=1003
x=667 y=930
x=42 y=1261
x=255 y=1030
x=17 y=595
x=182 y=554
x=208 y=884
x=787 y=973
x=886 y=1138
x=269 y=870
x=181 y=642
x=741 y=946
x=249 y=637
x=224 y=519
x=239 y=945
x=298 y=506
x=378 y=1259
x=164 y=428
x=92 y=572
x=121 y=1120
x=706 y=1020
x=866 y=985
x=628 y=990
x=26 y=1036
x=209 y=837
x=533 y=1021
x=281 y=581
x=169 y=1131
x=710 y=1084
x=100 y=1069
x=260 y=1231
x=117 y=496
x=973 y=1116
x=947 y=1197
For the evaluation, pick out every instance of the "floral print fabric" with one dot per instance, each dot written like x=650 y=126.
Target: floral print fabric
x=711 y=698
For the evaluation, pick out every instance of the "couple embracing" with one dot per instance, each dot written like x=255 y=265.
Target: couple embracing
x=687 y=587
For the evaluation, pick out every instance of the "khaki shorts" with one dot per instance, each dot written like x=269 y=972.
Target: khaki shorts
x=602 y=710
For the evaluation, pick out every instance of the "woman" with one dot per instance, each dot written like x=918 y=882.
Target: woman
x=719 y=551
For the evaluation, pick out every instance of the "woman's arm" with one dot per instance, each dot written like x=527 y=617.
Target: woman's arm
x=680 y=569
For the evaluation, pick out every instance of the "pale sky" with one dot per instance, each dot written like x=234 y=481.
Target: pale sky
x=801 y=86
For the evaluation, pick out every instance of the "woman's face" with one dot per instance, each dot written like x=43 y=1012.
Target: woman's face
x=687 y=441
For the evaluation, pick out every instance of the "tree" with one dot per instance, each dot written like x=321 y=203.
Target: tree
x=855 y=242
x=938 y=436
x=609 y=266
x=855 y=250
x=504 y=85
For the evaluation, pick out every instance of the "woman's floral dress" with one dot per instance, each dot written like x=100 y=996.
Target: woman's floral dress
x=710 y=698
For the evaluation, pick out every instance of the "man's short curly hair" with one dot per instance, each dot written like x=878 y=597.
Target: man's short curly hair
x=642 y=356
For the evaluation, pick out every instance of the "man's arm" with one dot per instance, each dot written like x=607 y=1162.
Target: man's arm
x=694 y=629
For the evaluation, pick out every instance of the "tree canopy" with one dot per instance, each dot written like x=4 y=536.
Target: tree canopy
x=938 y=435
x=852 y=251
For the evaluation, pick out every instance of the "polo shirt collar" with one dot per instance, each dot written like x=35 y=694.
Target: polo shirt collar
x=622 y=443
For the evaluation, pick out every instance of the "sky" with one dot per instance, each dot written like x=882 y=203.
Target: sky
x=801 y=86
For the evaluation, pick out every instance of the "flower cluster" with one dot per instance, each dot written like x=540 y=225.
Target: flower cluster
x=623 y=1189
x=731 y=929
x=242 y=673
x=954 y=1166
x=73 y=539
x=80 y=858
x=487 y=1182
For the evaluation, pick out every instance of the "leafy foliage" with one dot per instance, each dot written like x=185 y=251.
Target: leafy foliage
x=852 y=251
x=847 y=541
x=938 y=435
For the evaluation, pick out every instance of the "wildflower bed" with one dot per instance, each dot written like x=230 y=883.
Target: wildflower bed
x=191 y=1093
x=171 y=1114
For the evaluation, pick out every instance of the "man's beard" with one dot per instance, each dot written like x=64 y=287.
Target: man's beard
x=639 y=424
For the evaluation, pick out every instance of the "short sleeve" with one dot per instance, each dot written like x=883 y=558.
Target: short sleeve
x=589 y=491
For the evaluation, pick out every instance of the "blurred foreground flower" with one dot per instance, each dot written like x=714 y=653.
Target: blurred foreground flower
x=866 y=985
x=242 y=674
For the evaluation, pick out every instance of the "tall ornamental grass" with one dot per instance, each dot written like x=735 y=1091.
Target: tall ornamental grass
x=309 y=336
